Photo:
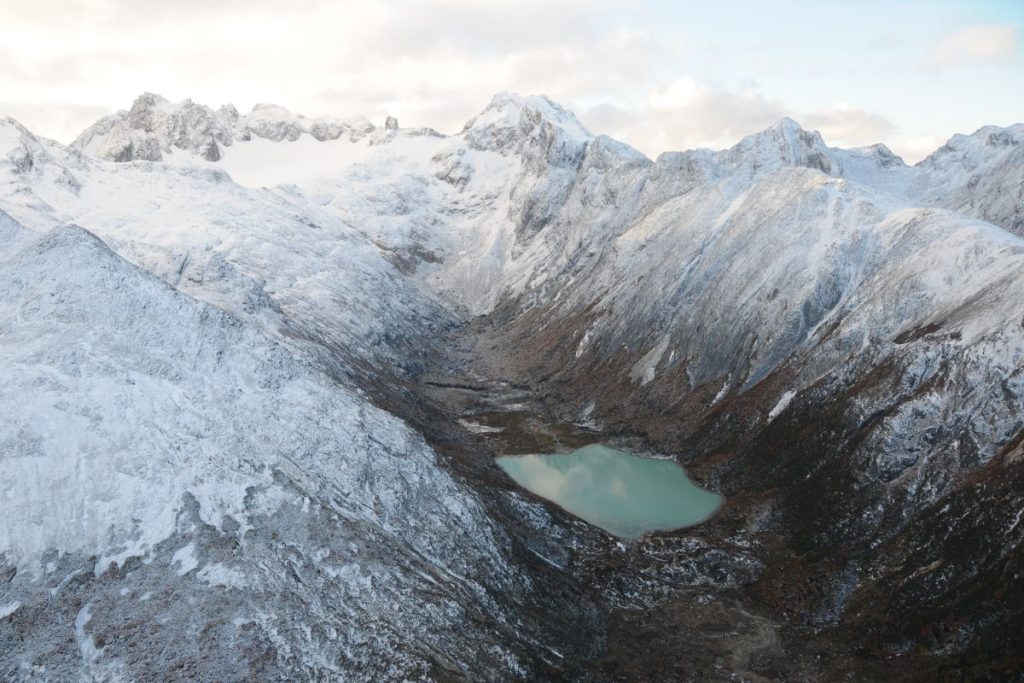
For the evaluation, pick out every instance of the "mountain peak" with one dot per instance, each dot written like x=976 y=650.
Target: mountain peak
x=883 y=155
x=790 y=130
x=965 y=153
x=784 y=143
x=13 y=123
x=786 y=126
x=261 y=106
x=149 y=99
x=510 y=109
x=530 y=124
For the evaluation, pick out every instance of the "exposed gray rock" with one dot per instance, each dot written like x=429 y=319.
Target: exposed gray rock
x=153 y=127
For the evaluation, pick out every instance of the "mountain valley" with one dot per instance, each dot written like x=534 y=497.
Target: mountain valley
x=258 y=369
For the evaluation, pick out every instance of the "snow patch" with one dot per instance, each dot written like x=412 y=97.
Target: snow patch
x=185 y=558
x=781 y=405
x=582 y=346
x=478 y=428
x=8 y=609
x=644 y=369
x=86 y=645
x=721 y=392
x=219 y=574
x=265 y=163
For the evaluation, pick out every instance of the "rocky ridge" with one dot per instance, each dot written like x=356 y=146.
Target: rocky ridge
x=154 y=127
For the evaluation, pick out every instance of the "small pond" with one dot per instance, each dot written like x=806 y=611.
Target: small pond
x=623 y=494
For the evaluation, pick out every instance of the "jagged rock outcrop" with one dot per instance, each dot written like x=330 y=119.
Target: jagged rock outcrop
x=154 y=127
x=535 y=127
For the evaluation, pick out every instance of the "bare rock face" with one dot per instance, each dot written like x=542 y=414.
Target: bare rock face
x=329 y=129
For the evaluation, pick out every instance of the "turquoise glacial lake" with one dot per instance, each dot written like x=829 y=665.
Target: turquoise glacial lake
x=623 y=494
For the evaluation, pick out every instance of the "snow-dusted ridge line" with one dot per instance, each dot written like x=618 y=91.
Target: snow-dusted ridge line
x=154 y=127
x=189 y=126
x=272 y=258
x=544 y=133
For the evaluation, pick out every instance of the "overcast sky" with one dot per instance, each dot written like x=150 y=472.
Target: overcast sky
x=658 y=75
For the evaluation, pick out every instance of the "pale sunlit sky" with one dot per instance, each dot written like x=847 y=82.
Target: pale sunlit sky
x=658 y=75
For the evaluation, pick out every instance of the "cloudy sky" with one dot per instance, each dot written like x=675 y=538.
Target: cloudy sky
x=659 y=75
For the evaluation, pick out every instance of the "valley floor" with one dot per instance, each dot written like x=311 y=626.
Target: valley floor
x=693 y=604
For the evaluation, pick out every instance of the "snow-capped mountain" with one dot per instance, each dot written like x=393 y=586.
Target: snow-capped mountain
x=270 y=257
x=985 y=174
x=831 y=337
x=154 y=127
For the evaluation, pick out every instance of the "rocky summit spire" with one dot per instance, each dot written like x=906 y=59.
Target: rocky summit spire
x=784 y=143
x=532 y=125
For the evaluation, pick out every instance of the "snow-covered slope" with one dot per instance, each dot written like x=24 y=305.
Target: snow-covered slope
x=140 y=423
x=11 y=234
x=476 y=199
x=746 y=276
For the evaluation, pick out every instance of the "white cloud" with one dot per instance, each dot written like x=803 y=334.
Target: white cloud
x=845 y=125
x=914 y=149
x=974 y=45
x=429 y=62
x=684 y=114
x=682 y=92
x=59 y=120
